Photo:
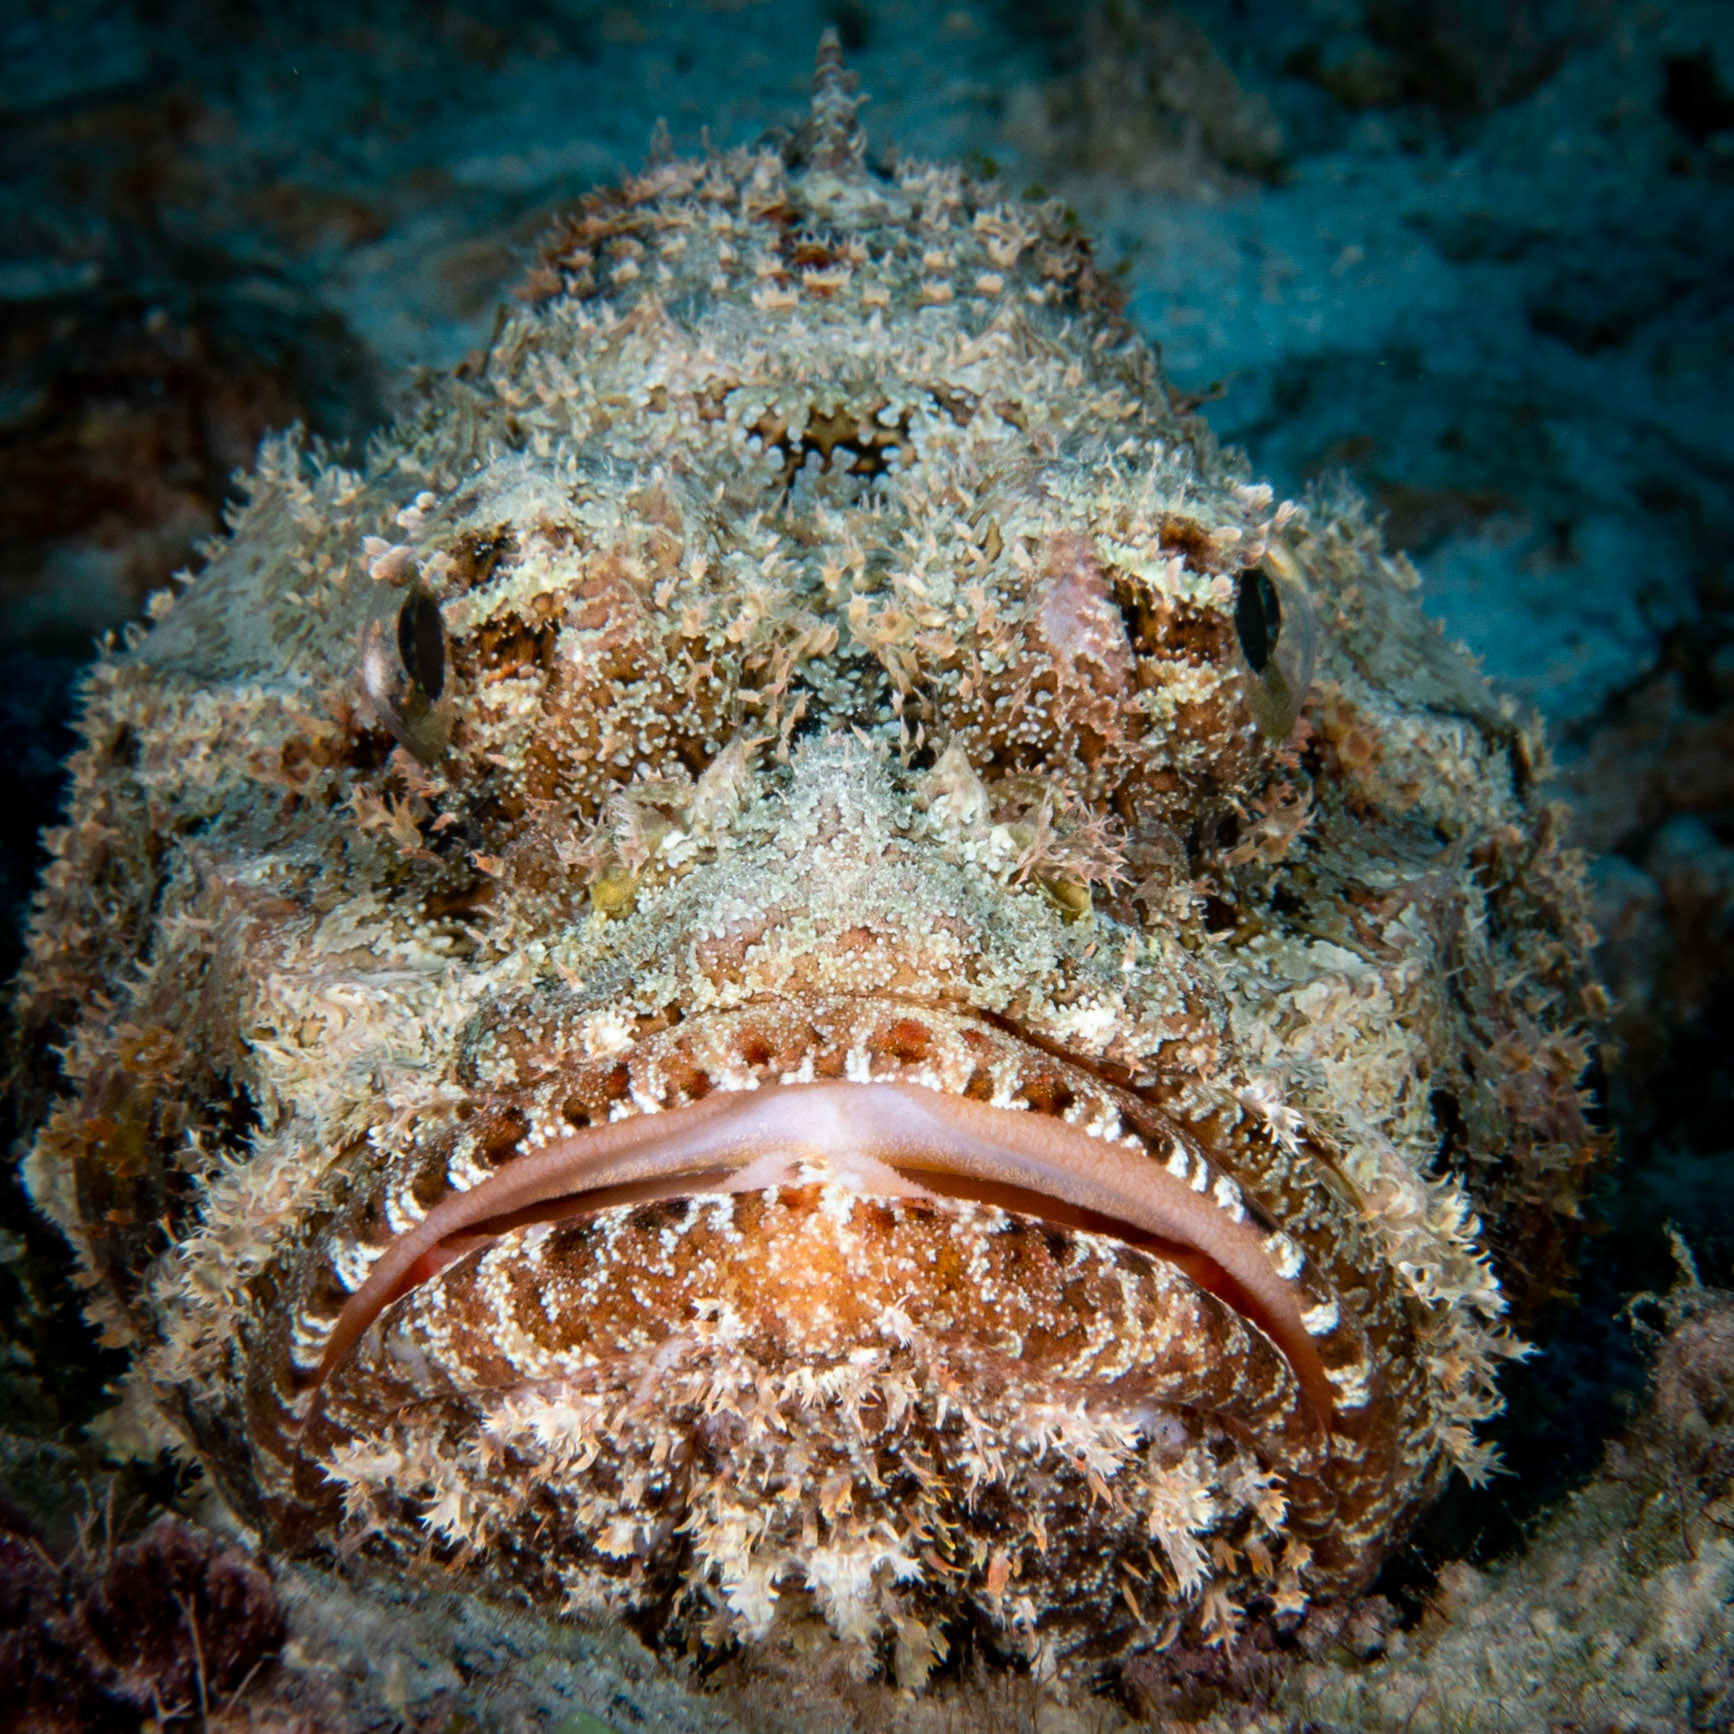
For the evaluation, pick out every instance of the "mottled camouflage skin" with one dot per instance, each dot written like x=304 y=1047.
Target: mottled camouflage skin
x=811 y=651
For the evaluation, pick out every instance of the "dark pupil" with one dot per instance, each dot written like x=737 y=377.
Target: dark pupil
x=421 y=642
x=1257 y=617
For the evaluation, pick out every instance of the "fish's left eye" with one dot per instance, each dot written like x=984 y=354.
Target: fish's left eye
x=1257 y=618
x=1278 y=635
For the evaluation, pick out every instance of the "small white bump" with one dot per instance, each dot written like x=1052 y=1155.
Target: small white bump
x=463 y=1170
x=1227 y=1196
x=1285 y=1255
x=308 y=1335
x=352 y=1260
x=1352 y=1388
x=838 y=1203
x=1321 y=1320
x=1106 y=1124
x=1179 y=1163
x=403 y=1210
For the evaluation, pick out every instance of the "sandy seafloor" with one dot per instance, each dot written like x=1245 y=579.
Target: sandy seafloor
x=1478 y=259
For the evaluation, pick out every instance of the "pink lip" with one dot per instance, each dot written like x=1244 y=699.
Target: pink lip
x=886 y=1139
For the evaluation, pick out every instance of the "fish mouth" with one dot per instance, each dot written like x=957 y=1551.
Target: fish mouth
x=893 y=1139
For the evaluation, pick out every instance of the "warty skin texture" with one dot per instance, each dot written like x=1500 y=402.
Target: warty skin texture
x=811 y=652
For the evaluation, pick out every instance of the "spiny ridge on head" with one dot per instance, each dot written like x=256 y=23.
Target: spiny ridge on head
x=831 y=137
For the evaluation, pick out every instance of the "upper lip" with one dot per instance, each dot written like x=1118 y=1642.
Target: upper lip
x=886 y=1139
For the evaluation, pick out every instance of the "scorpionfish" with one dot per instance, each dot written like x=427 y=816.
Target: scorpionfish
x=800 y=971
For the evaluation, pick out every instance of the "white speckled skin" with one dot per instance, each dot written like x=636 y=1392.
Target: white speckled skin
x=811 y=654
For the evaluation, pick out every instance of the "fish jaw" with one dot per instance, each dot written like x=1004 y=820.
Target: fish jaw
x=1072 y=1249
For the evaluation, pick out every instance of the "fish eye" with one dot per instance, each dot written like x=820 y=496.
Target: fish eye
x=1257 y=618
x=421 y=643
x=1278 y=635
x=403 y=671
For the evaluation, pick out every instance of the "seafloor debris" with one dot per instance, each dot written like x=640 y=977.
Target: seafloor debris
x=1615 y=1616
x=171 y=1625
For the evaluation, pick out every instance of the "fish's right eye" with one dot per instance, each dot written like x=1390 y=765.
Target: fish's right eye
x=403 y=671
